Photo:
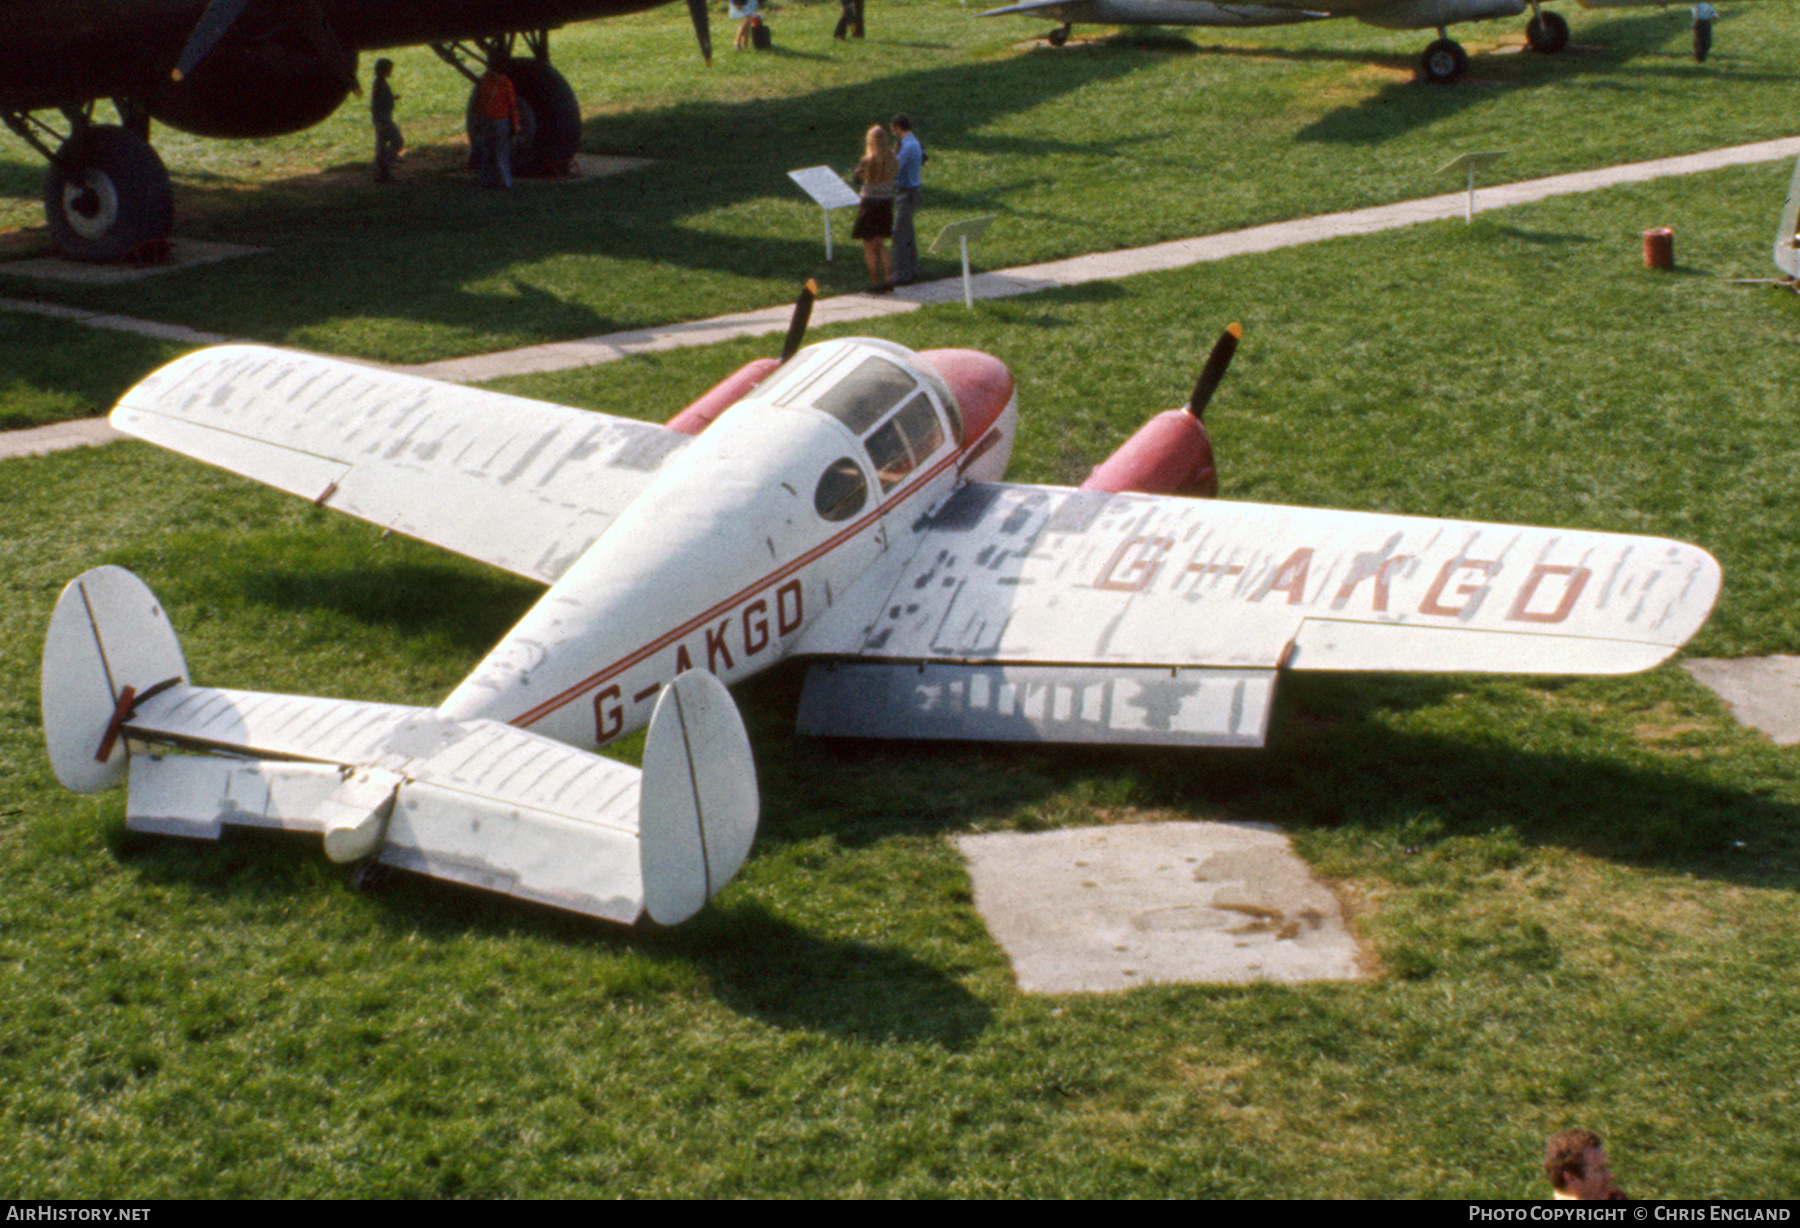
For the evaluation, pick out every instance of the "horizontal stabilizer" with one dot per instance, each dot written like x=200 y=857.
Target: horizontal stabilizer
x=1026 y=703
x=475 y=801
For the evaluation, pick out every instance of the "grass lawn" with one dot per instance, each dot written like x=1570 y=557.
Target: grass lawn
x=1579 y=893
x=1112 y=143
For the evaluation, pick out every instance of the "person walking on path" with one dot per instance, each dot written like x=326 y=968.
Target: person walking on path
x=908 y=192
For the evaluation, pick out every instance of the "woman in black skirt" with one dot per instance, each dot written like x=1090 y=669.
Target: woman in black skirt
x=875 y=215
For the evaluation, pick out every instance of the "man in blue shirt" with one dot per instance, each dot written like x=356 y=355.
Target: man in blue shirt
x=908 y=191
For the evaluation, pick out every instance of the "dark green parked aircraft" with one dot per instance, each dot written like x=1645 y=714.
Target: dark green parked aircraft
x=246 y=68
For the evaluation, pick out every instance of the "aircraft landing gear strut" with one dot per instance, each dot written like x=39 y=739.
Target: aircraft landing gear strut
x=1445 y=60
x=1547 y=33
x=549 y=131
x=106 y=194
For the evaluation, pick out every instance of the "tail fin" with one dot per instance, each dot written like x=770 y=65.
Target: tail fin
x=475 y=801
x=1787 y=254
x=108 y=645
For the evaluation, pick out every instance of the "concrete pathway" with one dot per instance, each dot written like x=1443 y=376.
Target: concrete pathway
x=1102 y=266
x=82 y=433
x=116 y=323
x=1005 y=283
x=1029 y=279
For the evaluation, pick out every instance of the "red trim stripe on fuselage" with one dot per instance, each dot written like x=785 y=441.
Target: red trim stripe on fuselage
x=700 y=620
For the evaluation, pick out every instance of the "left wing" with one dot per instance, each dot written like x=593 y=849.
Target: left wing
x=521 y=484
x=1166 y=619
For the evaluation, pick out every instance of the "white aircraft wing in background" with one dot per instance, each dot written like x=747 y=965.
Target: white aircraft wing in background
x=1444 y=60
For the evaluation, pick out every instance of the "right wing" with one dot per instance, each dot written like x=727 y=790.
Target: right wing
x=1033 y=613
x=521 y=484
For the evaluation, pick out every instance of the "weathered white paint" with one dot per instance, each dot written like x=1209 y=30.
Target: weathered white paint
x=848 y=508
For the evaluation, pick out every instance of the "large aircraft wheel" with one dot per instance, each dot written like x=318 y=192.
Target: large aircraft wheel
x=1058 y=36
x=1445 y=61
x=549 y=130
x=1548 y=34
x=107 y=195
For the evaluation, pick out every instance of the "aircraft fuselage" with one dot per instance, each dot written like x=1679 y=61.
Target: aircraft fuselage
x=810 y=484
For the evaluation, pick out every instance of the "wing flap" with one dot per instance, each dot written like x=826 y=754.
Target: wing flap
x=1064 y=704
x=520 y=484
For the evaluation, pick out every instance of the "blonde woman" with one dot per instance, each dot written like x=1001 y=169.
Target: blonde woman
x=875 y=214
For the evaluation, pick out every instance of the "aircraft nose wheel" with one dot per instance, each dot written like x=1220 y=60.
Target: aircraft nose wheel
x=107 y=195
x=1444 y=61
x=1058 y=36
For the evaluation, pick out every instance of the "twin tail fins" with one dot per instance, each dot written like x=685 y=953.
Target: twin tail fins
x=474 y=801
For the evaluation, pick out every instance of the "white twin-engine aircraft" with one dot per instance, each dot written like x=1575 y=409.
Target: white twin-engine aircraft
x=846 y=508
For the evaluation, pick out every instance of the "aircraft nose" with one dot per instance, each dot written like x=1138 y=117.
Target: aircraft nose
x=981 y=382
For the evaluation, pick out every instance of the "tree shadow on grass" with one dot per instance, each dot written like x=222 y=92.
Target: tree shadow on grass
x=1332 y=762
x=451 y=241
x=753 y=962
x=1400 y=107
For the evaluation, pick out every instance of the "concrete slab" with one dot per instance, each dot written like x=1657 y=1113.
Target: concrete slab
x=598 y=166
x=83 y=433
x=586 y=167
x=1762 y=692
x=185 y=254
x=1107 y=908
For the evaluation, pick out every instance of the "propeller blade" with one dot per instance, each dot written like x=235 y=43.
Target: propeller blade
x=1214 y=370
x=797 y=325
x=702 y=28
x=213 y=24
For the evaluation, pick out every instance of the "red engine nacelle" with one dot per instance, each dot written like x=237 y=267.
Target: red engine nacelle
x=1169 y=455
x=723 y=395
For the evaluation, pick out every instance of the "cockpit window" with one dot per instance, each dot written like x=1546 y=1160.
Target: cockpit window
x=861 y=398
x=842 y=490
x=905 y=440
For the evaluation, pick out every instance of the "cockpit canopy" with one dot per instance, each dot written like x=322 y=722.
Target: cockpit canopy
x=888 y=397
